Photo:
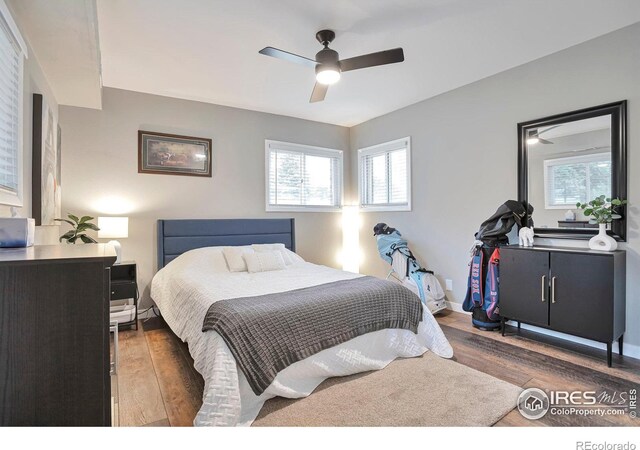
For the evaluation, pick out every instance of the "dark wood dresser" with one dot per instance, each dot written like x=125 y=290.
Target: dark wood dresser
x=54 y=335
x=571 y=290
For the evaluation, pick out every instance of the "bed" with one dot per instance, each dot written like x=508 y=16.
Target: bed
x=193 y=275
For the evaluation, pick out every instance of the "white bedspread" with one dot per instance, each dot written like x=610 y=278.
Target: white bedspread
x=185 y=289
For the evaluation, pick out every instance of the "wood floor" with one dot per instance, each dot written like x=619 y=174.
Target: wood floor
x=159 y=387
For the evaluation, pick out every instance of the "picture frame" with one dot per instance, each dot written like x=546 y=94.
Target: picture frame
x=46 y=193
x=172 y=154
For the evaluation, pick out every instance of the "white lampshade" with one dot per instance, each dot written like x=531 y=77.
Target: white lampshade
x=113 y=227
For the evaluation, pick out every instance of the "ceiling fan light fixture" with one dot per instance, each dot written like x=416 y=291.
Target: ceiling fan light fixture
x=533 y=140
x=329 y=66
x=328 y=75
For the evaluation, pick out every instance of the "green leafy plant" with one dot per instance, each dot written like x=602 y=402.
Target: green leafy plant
x=80 y=225
x=602 y=209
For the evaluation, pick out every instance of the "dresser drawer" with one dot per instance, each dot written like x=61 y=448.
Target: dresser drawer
x=123 y=290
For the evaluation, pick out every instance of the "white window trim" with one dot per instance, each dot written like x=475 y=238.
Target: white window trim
x=561 y=161
x=5 y=14
x=379 y=149
x=8 y=197
x=309 y=150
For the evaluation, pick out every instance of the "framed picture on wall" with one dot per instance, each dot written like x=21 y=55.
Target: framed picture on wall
x=46 y=191
x=171 y=154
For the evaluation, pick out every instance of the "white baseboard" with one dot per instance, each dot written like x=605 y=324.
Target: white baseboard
x=147 y=314
x=630 y=350
x=457 y=307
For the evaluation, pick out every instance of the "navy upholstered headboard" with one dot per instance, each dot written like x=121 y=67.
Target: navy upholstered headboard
x=177 y=236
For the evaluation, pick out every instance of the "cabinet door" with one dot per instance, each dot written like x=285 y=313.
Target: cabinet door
x=582 y=295
x=53 y=344
x=524 y=278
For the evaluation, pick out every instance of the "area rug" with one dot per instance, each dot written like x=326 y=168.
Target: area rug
x=425 y=391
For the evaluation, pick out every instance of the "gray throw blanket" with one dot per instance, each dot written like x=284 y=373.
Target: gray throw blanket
x=268 y=333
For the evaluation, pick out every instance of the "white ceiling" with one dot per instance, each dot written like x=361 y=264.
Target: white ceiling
x=64 y=37
x=207 y=50
x=576 y=127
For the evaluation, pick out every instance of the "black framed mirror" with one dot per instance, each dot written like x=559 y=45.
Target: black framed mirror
x=569 y=158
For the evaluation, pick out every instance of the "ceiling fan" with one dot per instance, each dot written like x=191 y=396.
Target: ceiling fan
x=328 y=65
x=533 y=136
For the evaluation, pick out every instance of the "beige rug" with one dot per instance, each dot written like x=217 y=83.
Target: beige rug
x=425 y=391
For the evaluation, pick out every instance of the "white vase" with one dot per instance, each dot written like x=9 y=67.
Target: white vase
x=602 y=241
x=569 y=216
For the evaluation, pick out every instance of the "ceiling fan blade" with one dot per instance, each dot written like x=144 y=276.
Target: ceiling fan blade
x=319 y=91
x=281 y=54
x=395 y=55
x=544 y=141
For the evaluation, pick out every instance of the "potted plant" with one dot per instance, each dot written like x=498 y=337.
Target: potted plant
x=79 y=226
x=602 y=210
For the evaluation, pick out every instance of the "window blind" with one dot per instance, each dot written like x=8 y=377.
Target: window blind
x=303 y=176
x=384 y=174
x=10 y=72
x=576 y=179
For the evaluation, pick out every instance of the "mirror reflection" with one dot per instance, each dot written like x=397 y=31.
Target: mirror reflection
x=568 y=163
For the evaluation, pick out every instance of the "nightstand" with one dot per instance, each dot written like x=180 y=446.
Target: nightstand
x=124 y=286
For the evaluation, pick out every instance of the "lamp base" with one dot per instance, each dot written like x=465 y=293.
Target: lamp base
x=118 y=248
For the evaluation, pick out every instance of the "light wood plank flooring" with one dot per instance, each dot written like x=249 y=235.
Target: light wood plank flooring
x=159 y=386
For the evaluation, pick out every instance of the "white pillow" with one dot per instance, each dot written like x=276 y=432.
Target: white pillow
x=234 y=258
x=295 y=258
x=264 y=248
x=210 y=257
x=264 y=261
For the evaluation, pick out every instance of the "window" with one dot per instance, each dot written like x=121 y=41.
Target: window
x=302 y=178
x=574 y=179
x=384 y=176
x=11 y=61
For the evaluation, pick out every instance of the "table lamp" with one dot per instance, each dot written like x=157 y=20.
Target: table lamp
x=114 y=228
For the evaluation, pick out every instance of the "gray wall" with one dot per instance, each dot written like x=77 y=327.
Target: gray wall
x=34 y=82
x=100 y=169
x=464 y=148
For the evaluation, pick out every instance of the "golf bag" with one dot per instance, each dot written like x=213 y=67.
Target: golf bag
x=482 y=298
x=394 y=250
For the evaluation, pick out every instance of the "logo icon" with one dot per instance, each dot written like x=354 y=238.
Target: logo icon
x=533 y=403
